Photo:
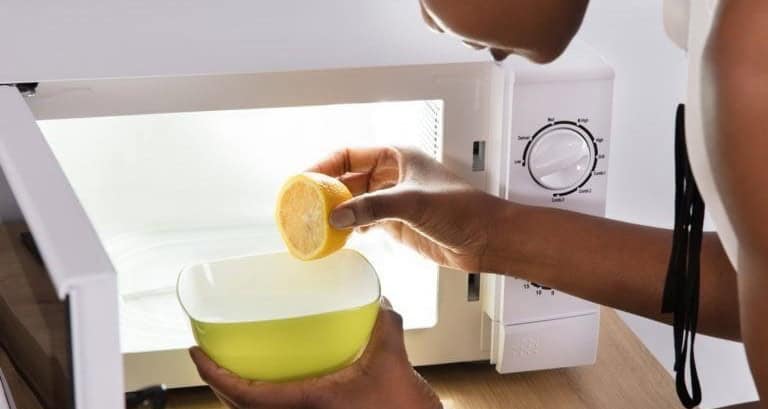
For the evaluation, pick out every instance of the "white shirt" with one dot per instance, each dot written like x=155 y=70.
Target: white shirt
x=688 y=23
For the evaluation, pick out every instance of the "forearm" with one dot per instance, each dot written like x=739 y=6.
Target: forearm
x=618 y=264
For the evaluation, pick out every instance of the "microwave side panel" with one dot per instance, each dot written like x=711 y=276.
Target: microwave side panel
x=490 y=283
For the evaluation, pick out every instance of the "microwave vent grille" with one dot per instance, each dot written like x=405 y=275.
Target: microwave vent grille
x=432 y=128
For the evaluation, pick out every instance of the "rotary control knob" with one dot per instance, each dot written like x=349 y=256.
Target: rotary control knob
x=560 y=158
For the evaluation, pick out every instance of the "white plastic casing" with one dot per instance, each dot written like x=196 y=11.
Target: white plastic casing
x=563 y=127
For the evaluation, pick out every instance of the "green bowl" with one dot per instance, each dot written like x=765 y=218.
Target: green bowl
x=274 y=318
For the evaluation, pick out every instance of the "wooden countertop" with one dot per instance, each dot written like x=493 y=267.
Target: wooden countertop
x=626 y=376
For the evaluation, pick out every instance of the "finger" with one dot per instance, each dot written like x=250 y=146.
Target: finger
x=429 y=20
x=389 y=226
x=394 y=203
x=241 y=392
x=357 y=183
x=205 y=366
x=387 y=335
x=347 y=160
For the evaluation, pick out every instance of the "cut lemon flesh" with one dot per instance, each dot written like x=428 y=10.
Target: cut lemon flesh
x=303 y=209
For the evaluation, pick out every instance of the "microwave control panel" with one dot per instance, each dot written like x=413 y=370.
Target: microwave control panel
x=557 y=156
x=556 y=138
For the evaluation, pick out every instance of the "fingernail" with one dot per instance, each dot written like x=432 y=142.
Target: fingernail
x=342 y=218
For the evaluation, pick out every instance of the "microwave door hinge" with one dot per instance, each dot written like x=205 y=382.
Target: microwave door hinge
x=27 y=89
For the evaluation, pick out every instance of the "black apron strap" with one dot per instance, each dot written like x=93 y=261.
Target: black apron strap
x=681 y=290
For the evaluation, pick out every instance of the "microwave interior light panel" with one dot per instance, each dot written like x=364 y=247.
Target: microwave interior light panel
x=167 y=190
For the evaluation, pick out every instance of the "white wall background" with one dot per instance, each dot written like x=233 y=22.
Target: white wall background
x=650 y=81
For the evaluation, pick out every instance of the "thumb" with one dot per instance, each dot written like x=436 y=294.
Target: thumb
x=393 y=203
x=387 y=336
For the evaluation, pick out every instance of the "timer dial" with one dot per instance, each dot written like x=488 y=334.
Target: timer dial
x=560 y=158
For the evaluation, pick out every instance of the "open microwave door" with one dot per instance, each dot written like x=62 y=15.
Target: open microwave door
x=58 y=312
x=164 y=172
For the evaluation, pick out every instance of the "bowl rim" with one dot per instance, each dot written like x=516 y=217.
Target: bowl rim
x=377 y=298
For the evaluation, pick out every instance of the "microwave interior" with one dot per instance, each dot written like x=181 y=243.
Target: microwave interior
x=166 y=190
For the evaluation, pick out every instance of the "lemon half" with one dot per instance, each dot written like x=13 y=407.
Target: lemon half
x=304 y=206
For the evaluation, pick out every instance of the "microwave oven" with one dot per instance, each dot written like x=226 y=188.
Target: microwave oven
x=115 y=177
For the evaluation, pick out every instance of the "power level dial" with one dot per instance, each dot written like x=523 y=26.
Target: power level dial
x=560 y=158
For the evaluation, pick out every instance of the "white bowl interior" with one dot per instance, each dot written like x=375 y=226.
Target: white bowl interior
x=276 y=286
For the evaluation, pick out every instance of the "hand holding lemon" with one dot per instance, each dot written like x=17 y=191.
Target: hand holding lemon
x=303 y=210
